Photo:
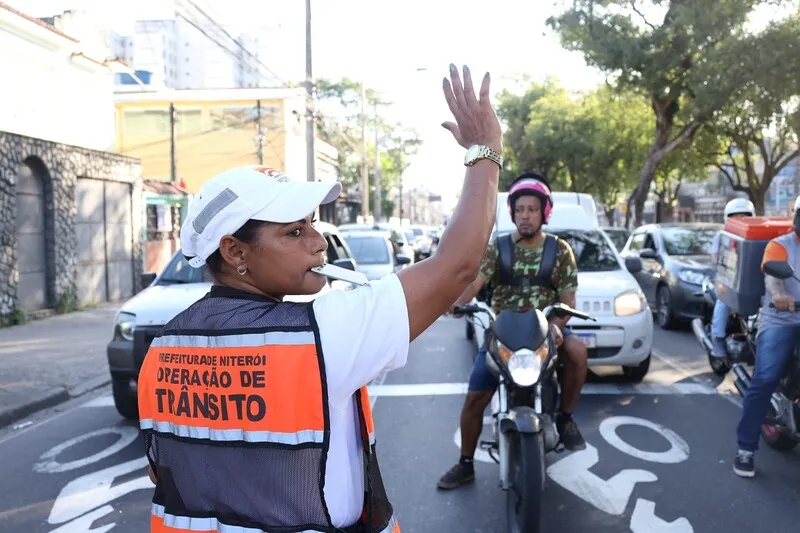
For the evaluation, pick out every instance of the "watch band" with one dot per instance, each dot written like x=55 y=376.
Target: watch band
x=487 y=153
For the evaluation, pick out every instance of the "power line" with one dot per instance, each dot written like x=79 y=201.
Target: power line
x=236 y=41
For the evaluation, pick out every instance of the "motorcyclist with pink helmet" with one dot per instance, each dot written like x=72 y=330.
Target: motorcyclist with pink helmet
x=525 y=269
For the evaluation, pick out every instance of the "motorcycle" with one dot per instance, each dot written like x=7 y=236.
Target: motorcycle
x=740 y=333
x=780 y=428
x=524 y=359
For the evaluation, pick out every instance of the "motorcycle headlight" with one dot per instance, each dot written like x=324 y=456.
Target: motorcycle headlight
x=124 y=326
x=525 y=366
x=691 y=276
x=629 y=303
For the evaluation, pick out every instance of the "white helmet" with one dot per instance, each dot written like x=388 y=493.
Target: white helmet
x=796 y=205
x=743 y=206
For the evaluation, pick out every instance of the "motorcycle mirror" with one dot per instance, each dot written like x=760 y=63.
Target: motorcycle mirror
x=779 y=269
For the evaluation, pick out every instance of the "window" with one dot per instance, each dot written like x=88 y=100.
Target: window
x=592 y=252
x=143 y=122
x=688 y=240
x=369 y=250
x=179 y=271
x=637 y=241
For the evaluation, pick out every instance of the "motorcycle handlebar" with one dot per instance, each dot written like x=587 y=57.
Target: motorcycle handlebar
x=469 y=309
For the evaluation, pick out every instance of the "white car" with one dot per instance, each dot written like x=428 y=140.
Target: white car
x=177 y=287
x=607 y=291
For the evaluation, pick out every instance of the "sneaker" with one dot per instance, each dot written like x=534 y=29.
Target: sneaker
x=570 y=435
x=744 y=464
x=460 y=474
x=718 y=347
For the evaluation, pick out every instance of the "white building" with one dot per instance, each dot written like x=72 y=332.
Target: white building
x=59 y=86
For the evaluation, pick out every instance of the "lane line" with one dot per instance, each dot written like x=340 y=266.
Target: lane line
x=592 y=389
x=733 y=398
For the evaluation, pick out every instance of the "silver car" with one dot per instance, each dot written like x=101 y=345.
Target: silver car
x=374 y=253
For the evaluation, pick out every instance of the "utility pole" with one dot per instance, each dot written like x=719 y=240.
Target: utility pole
x=259 y=134
x=376 y=208
x=364 y=169
x=400 y=166
x=311 y=159
x=173 y=169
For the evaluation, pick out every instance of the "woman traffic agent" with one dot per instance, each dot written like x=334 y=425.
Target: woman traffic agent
x=255 y=410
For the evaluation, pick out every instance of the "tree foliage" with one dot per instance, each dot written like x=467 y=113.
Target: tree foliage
x=689 y=62
x=341 y=127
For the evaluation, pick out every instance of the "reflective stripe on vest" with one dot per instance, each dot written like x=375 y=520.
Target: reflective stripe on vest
x=366 y=406
x=163 y=522
x=259 y=388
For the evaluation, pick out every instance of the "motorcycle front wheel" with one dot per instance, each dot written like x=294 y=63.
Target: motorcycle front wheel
x=526 y=482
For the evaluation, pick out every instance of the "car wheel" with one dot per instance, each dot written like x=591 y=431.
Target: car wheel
x=125 y=401
x=664 y=313
x=636 y=374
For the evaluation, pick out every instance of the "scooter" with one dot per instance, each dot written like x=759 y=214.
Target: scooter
x=524 y=358
x=780 y=429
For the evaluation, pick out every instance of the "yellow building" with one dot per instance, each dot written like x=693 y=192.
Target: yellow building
x=217 y=129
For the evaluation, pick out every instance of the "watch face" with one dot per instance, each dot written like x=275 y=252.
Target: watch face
x=472 y=153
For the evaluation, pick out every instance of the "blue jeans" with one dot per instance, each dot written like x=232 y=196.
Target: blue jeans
x=719 y=319
x=481 y=379
x=774 y=349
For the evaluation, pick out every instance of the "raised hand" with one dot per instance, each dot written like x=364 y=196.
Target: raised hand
x=476 y=121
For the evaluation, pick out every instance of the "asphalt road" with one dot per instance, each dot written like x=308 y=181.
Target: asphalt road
x=659 y=458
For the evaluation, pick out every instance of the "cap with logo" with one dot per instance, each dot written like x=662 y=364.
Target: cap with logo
x=228 y=200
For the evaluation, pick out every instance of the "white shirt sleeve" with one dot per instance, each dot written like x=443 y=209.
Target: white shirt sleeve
x=363 y=332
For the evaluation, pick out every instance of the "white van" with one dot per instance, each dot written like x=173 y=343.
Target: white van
x=564 y=205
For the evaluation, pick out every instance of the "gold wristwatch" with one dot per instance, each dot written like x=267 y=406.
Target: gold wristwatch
x=476 y=152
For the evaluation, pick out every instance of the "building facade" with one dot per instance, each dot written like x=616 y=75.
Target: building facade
x=215 y=130
x=68 y=235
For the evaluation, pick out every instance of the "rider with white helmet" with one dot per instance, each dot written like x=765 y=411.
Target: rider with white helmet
x=738 y=207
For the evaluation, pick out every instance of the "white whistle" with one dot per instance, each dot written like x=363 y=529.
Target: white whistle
x=343 y=274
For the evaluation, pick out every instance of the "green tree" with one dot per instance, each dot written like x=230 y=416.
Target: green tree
x=688 y=65
x=342 y=129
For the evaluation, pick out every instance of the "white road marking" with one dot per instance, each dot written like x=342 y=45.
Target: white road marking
x=735 y=399
x=450 y=389
x=100 y=401
x=678 y=448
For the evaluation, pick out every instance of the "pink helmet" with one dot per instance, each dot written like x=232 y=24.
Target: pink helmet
x=535 y=187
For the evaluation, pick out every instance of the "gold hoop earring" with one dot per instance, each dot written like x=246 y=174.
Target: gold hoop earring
x=242 y=270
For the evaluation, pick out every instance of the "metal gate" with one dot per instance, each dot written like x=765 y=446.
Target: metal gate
x=32 y=287
x=104 y=225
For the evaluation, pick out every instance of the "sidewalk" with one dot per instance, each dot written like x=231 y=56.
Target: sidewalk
x=49 y=361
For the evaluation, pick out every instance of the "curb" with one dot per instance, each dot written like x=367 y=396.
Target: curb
x=50 y=398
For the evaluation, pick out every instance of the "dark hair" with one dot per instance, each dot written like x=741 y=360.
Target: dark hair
x=247 y=234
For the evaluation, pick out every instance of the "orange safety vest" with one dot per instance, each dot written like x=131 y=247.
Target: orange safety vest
x=233 y=405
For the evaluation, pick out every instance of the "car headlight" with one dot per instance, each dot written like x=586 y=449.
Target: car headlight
x=125 y=325
x=629 y=303
x=691 y=276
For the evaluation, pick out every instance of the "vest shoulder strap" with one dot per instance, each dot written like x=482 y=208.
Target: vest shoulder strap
x=542 y=278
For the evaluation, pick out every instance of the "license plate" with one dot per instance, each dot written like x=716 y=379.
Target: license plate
x=588 y=339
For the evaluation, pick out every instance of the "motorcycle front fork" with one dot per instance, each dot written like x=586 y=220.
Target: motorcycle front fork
x=500 y=412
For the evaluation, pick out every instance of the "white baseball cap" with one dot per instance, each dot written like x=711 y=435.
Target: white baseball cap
x=228 y=200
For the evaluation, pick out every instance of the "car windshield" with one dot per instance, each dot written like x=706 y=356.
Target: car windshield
x=410 y=236
x=618 y=236
x=688 y=241
x=179 y=271
x=591 y=249
x=418 y=232
x=369 y=250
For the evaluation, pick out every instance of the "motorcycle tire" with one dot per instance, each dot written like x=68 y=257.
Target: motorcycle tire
x=777 y=439
x=719 y=365
x=526 y=483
